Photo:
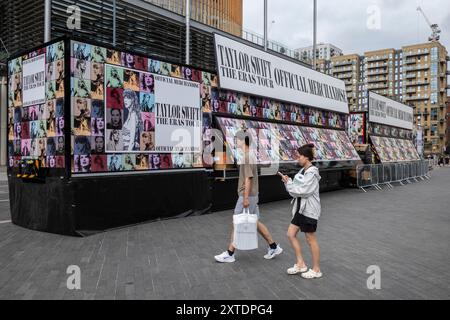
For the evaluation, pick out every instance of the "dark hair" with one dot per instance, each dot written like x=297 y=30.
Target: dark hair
x=243 y=136
x=307 y=151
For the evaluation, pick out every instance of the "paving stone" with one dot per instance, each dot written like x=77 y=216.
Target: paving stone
x=404 y=231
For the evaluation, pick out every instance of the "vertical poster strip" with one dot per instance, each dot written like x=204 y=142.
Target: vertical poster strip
x=67 y=107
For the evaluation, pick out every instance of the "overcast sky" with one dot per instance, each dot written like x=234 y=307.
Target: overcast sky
x=344 y=22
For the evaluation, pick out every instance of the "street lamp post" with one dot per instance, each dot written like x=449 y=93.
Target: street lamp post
x=47 y=20
x=188 y=32
x=314 y=34
x=114 y=23
x=265 y=25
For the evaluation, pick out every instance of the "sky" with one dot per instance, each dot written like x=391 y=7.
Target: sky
x=355 y=26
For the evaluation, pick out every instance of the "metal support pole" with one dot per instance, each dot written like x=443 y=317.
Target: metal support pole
x=47 y=20
x=3 y=124
x=315 y=35
x=188 y=32
x=266 y=36
x=114 y=22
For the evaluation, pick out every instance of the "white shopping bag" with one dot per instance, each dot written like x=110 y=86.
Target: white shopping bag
x=245 y=231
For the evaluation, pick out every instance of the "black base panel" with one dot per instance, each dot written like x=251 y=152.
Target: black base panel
x=83 y=206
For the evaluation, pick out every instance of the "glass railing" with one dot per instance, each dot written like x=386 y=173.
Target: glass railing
x=274 y=46
x=211 y=13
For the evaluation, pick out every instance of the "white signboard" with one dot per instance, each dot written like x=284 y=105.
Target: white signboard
x=386 y=111
x=246 y=69
x=178 y=114
x=33 y=81
x=151 y=113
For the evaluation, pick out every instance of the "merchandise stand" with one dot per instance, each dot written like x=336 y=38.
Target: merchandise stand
x=75 y=167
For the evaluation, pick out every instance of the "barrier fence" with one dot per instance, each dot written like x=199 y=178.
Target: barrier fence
x=386 y=175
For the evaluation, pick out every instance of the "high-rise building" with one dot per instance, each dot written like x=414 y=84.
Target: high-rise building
x=348 y=68
x=323 y=66
x=323 y=51
x=226 y=15
x=448 y=127
x=415 y=75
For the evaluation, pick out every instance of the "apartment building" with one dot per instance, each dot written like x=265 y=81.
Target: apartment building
x=415 y=75
x=323 y=51
x=348 y=68
x=425 y=88
x=448 y=128
x=323 y=66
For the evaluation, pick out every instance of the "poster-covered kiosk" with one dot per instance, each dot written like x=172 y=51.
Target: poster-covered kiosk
x=388 y=128
x=99 y=138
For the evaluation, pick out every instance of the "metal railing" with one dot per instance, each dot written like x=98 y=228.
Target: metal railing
x=378 y=176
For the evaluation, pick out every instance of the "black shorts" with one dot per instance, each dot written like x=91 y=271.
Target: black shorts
x=306 y=225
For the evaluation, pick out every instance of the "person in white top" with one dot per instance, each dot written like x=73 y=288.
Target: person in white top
x=132 y=125
x=304 y=189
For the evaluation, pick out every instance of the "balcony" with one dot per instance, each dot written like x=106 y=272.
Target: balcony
x=372 y=80
x=416 y=98
x=336 y=70
x=343 y=63
x=411 y=76
x=410 y=61
x=411 y=90
x=417 y=83
x=345 y=76
x=379 y=86
x=377 y=58
x=418 y=67
x=417 y=53
x=377 y=65
x=374 y=73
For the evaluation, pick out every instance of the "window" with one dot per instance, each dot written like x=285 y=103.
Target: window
x=433 y=98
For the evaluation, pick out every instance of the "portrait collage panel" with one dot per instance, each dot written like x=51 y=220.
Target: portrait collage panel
x=357 y=128
x=113 y=111
x=394 y=150
x=36 y=123
x=238 y=104
x=278 y=143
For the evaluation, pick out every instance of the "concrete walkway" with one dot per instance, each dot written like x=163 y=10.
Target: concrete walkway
x=405 y=231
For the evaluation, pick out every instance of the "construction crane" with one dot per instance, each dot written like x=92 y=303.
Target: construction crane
x=434 y=27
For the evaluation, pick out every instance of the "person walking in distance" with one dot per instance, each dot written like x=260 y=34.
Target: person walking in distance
x=248 y=191
x=304 y=188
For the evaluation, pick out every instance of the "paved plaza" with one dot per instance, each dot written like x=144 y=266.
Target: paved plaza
x=404 y=231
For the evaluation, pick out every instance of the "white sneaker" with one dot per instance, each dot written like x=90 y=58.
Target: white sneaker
x=311 y=274
x=272 y=253
x=225 y=258
x=296 y=270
